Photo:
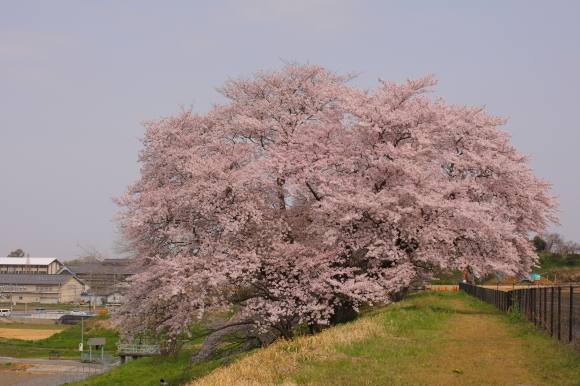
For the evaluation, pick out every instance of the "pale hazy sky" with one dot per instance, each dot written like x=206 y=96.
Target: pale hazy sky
x=77 y=77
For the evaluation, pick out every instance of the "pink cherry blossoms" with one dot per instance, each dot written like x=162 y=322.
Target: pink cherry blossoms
x=304 y=198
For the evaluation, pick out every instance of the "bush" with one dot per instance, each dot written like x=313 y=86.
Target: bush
x=572 y=260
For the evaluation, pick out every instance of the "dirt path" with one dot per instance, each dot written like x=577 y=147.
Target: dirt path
x=482 y=351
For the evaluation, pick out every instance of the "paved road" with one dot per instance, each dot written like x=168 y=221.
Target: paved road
x=67 y=362
x=40 y=368
x=9 y=378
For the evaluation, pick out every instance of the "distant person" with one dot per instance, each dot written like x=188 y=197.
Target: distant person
x=465 y=275
x=470 y=276
x=162 y=382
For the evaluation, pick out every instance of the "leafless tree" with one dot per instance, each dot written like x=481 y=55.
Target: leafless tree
x=122 y=247
x=569 y=247
x=556 y=243
x=91 y=254
x=553 y=241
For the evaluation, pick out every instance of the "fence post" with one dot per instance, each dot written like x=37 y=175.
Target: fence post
x=526 y=303
x=552 y=312
x=570 y=337
x=534 y=307
x=539 y=305
x=545 y=308
x=503 y=301
x=559 y=311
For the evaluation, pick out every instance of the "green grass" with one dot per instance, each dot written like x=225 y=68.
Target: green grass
x=66 y=341
x=69 y=339
x=148 y=371
x=420 y=324
x=27 y=352
x=555 y=362
x=433 y=338
x=415 y=329
x=6 y=365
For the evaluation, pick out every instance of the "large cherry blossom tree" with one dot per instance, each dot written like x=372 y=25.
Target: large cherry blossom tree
x=303 y=198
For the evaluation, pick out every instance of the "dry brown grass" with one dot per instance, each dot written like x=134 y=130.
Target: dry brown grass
x=272 y=364
x=104 y=324
x=513 y=281
x=25 y=334
x=566 y=274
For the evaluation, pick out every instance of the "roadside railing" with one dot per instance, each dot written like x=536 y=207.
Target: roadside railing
x=139 y=349
x=43 y=315
x=555 y=309
x=106 y=360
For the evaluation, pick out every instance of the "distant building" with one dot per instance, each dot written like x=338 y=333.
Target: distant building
x=30 y=265
x=39 y=288
x=101 y=296
x=106 y=281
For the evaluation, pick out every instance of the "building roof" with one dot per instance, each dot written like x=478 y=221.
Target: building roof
x=18 y=278
x=117 y=261
x=23 y=260
x=100 y=268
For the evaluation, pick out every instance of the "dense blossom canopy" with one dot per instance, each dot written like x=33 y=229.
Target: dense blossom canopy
x=304 y=196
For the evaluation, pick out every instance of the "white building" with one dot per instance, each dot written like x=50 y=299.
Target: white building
x=30 y=265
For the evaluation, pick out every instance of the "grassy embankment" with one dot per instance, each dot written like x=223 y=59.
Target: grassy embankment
x=433 y=338
x=64 y=342
x=554 y=268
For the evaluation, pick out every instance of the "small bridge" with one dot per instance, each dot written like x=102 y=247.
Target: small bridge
x=128 y=352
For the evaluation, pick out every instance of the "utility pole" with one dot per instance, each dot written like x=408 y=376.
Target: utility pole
x=81 y=345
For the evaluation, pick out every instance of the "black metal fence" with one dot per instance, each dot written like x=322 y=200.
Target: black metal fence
x=555 y=309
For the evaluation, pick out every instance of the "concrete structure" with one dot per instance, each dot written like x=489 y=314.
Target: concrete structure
x=30 y=265
x=38 y=288
x=25 y=320
x=128 y=352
